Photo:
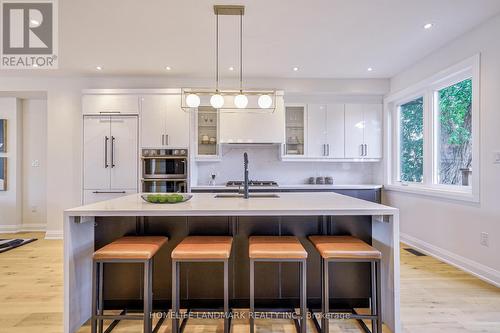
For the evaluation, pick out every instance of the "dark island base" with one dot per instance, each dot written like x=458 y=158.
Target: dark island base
x=277 y=284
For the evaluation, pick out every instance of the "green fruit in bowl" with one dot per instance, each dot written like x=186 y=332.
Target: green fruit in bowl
x=153 y=198
x=163 y=199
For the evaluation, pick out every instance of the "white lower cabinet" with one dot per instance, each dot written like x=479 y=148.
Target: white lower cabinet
x=363 y=126
x=110 y=156
x=163 y=123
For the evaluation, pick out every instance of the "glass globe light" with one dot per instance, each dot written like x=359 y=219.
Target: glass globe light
x=241 y=101
x=217 y=101
x=265 y=101
x=193 y=100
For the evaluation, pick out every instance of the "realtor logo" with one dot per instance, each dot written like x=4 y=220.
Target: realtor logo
x=29 y=34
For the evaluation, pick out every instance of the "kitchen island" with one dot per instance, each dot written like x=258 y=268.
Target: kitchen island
x=301 y=214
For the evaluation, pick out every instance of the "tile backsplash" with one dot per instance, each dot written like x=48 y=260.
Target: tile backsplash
x=266 y=165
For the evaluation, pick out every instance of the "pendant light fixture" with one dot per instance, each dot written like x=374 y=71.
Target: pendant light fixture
x=230 y=100
x=217 y=100
x=241 y=101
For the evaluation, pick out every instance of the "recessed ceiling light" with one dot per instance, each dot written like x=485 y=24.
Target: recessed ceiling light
x=369 y=69
x=295 y=69
x=168 y=68
x=231 y=68
x=428 y=26
x=99 y=68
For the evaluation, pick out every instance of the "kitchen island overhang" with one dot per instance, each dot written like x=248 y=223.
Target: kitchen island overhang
x=327 y=213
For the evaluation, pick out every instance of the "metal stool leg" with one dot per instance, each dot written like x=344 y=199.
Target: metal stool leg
x=373 y=303
x=303 y=297
x=325 y=297
x=148 y=304
x=252 y=295
x=379 y=297
x=94 y=297
x=175 y=296
x=227 y=322
x=100 y=308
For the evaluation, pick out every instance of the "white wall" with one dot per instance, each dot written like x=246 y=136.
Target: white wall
x=451 y=229
x=10 y=200
x=34 y=169
x=64 y=136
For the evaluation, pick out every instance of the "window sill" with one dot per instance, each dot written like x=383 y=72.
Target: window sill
x=459 y=195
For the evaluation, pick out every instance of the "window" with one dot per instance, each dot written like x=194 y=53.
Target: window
x=454 y=139
x=411 y=141
x=432 y=133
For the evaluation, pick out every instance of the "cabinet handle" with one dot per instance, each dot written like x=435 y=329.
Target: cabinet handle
x=328 y=149
x=366 y=149
x=361 y=146
x=166 y=139
x=106 y=139
x=109 y=192
x=163 y=139
x=324 y=149
x=112 y=151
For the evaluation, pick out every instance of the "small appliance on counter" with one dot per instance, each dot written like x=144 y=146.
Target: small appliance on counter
x=164 y=170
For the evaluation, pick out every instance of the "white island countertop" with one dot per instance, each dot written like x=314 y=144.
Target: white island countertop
x=206 y=204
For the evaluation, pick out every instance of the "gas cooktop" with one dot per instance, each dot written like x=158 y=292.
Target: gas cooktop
x=252 y=183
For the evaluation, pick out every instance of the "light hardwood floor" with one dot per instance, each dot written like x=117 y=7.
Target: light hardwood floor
x=435 y=297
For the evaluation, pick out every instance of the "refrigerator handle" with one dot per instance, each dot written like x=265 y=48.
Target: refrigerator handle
x=106 y=139
x=113 y=151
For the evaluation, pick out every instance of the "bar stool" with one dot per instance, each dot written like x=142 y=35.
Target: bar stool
x=200 y=249
x=131 y=249
x=278 y=249
x=349 y=249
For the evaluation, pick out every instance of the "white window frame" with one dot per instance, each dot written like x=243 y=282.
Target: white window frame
x=469 y=68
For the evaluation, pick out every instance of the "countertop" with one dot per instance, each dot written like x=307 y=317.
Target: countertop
x=293 y=187
x=205 y=204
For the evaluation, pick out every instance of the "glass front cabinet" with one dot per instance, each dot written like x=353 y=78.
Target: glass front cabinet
x=295 y=119
x=207 y=133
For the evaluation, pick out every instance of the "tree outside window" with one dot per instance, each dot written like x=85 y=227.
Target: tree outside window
x=455 y=134
x=411 y=154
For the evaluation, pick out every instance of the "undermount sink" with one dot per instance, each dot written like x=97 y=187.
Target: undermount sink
x=253 y=195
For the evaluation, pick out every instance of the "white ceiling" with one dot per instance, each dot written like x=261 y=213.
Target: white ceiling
x=324 y=38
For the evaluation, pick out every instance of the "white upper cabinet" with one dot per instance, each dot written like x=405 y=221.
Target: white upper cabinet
x=177 y=132
x=110 y=104
x=163 y=123
x=325 y=131
x=335 y=131
x=316 y=131
x=243 y=126
x=153 y=121
x=363 y=126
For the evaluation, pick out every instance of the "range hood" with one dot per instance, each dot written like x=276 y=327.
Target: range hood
x=250 y=128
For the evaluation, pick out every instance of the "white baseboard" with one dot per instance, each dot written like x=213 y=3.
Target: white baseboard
x=9 y=229
x=14 y=228
x=480 y=271
x=54 y=234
